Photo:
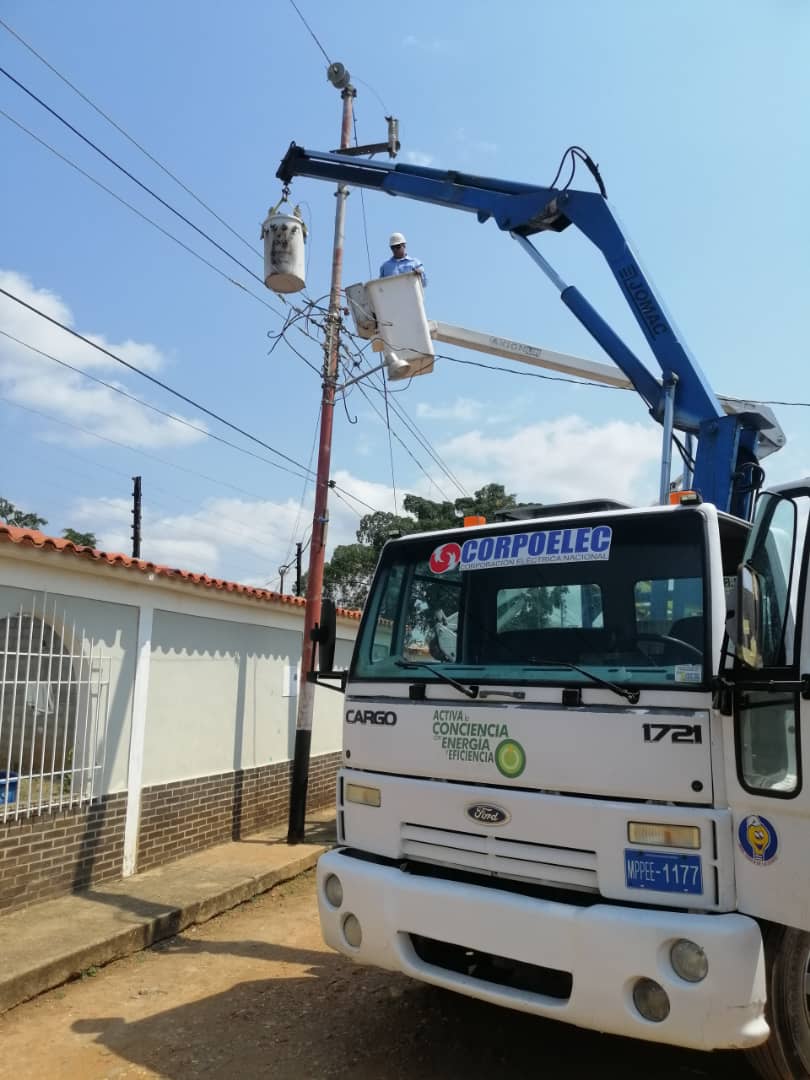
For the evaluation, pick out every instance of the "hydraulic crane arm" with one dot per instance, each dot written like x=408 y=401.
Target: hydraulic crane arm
x=726 y=459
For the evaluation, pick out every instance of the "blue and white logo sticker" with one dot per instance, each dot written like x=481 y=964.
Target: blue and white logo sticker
x=586 y=544
x=758 y=839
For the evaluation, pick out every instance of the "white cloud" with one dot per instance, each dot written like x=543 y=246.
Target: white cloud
x=472 y=146
x=35 y=382
x=562 y=459
x=429 y=45
x=238 y=539
x=460 y=409
x=418 y=157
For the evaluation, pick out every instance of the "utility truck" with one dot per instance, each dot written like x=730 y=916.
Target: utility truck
x=572 y=778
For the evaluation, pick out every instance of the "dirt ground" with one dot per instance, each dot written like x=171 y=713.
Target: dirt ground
x=255 y=993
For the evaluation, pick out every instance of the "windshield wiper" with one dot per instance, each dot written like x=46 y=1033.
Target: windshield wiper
x=470 y=691
x=630 y=695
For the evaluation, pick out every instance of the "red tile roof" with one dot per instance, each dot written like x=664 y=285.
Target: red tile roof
x=32 y=538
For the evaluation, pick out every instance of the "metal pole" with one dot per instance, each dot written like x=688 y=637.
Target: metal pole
x=320 y=517
x=136 y=517
x=669 y=384
x=299 y=548
x=282 y=571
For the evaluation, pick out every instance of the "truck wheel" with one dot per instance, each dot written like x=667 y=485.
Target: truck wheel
x=786 y=1054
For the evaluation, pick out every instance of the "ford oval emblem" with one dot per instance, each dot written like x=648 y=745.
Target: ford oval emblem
x=488 y=814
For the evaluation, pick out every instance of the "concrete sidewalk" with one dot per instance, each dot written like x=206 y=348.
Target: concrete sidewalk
x=49 y=943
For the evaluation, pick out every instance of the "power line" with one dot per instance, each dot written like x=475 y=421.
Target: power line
x=126 y=172
x=390 y=442
x=407 y=449
x=531 y=374
x=126 y=135
x=127 y=446
x=140 y=214
x=148 y=405
x=58 y=461
x=289 y=320
x=311 y=31
x=422 y=440
x=152 y=379
x=300 y=511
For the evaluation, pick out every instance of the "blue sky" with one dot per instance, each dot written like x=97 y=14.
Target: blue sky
x=696 y=113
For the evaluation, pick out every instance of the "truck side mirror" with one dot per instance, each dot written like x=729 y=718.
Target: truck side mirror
x=326 y=635
x=747 y=623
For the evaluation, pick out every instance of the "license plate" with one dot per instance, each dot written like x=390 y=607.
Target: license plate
x=662 y=871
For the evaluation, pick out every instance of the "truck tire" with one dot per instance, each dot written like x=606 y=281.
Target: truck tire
x=786 y=1054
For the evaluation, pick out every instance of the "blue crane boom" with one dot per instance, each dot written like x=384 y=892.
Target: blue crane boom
x=726 y=465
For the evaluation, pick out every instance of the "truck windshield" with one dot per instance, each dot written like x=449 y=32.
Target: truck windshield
x=622 y=597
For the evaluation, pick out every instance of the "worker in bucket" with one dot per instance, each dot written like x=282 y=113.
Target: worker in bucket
x=400 y=262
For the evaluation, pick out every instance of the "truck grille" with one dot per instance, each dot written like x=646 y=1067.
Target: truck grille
x=498 y=970
x=521 y=860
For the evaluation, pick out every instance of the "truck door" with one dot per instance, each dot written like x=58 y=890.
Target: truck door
x=768 y=791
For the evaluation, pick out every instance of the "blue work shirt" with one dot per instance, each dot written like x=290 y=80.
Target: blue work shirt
x=402 y=266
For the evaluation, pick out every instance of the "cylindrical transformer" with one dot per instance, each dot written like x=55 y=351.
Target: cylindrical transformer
x=284 y=237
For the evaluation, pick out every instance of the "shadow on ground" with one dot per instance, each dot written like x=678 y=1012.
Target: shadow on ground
x=322 y=1017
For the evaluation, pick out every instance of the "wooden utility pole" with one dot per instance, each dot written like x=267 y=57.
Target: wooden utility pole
x=339 y=77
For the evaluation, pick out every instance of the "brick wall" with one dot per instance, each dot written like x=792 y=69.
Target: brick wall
x=56 y=852
x=59 y=852
x=189 y=815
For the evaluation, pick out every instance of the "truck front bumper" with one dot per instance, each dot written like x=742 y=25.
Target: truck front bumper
x=593 y=955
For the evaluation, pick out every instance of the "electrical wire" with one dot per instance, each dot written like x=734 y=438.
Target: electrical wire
x=152 y=379
x=148 y=405
x=126 y=446
x=311 y=31
x=578 y=154
x=416 y=433
x=140 y=214
x=390 y=442
x=131 y=176
x=305 y=487
x=126 y=135
x=407 y=450
x=58 y=462
x=532 y=374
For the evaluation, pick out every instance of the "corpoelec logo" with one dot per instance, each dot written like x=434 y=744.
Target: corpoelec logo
x=485 y=743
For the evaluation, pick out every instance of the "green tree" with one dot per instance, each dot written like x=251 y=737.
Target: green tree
x=11 y=515
x=348 y=574
x=82 y=539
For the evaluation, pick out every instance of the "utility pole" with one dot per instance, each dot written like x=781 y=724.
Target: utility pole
x=136 y=517
x=339 y=77
x=299 y=547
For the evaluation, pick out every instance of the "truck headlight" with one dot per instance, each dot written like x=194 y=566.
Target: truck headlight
x=689 y=961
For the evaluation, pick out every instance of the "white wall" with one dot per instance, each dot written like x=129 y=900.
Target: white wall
x=215 y=699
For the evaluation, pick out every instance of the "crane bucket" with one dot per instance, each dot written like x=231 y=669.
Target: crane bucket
x=390 y=312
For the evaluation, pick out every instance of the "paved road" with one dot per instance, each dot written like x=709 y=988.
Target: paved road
x=255 y=993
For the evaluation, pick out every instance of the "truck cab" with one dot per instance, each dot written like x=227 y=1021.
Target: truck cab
x=571 y=778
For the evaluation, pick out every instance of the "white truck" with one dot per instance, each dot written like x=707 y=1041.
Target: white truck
x=580 y=803
x=572 y=776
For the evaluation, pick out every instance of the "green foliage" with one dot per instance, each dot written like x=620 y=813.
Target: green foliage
x=83 y=539
x=11 y=515
x=348 y=574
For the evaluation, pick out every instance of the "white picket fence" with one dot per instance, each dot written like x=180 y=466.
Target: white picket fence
x=54 y=706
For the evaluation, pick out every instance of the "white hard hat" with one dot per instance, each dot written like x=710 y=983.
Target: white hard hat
x=396 y=238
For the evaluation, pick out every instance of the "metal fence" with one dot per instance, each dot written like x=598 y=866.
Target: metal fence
x=54 y=704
